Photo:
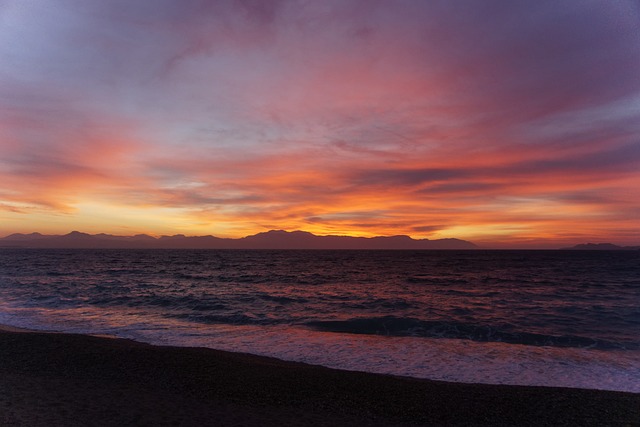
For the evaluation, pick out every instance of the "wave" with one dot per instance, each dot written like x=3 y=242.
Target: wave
x=402 y=326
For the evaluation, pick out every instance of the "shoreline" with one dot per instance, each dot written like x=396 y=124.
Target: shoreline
x=66 y=379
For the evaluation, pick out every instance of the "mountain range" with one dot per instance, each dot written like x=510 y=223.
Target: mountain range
x=274 y=239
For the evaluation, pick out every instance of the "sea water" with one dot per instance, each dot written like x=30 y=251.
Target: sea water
x=551 y=318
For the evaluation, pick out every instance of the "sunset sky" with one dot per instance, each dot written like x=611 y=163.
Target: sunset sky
x=507 y=123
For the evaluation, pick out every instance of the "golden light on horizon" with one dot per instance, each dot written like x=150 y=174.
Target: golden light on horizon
x=315 y=124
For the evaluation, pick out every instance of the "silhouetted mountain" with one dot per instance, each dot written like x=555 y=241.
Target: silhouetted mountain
x=275 y=239
x=75 y=239
x=142 y=237
x=136 y=238
x=180 y=241
x=601 y=247
x=20 y=236
x=279 y=239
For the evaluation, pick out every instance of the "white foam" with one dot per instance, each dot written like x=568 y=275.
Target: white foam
x=437 y=359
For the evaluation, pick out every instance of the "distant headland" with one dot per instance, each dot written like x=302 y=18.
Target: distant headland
x=601 y=247
x=274 y=239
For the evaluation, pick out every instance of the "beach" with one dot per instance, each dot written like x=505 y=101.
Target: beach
x=53 y=379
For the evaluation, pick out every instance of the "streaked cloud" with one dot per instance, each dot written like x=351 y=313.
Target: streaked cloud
x=504 y=122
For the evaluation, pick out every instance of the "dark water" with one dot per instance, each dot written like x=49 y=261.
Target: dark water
x=528 y=299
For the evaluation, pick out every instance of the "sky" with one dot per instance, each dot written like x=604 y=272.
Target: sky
x=508 y=123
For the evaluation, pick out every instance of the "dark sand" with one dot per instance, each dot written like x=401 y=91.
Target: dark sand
x=76 y=380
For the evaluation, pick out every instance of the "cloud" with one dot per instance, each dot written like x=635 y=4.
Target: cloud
x=617 y=160
x=406 y=177
x=53 y=152
x=12 y=208
x=480 y=116
x=427 y=228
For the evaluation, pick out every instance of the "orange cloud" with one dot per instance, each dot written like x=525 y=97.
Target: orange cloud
x=501 y=126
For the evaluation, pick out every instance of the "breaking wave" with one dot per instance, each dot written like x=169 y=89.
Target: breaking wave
x=401 y=326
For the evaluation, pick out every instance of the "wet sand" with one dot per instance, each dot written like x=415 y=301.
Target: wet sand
x=49 y=379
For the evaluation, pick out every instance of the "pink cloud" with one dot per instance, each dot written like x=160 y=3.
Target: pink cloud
x=345 y=116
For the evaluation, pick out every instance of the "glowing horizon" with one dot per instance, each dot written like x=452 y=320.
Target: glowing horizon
x=508 y=124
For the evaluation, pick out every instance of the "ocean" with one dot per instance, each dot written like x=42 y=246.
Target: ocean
x=547 y=318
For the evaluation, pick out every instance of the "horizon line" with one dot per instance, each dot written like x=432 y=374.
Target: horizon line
x=498 y=245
